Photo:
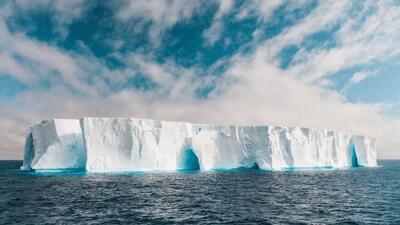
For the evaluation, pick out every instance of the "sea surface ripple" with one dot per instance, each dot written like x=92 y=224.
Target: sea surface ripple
x=351 y=196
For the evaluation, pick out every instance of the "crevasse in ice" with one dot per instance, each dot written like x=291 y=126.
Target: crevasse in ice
x=129 y=144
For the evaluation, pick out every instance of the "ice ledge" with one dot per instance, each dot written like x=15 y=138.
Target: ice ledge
x=130 y=144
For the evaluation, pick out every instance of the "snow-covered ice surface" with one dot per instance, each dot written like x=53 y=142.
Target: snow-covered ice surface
x=129 y=144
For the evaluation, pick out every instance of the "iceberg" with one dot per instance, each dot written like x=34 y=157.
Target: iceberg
x=55 y=144
x=131 y=144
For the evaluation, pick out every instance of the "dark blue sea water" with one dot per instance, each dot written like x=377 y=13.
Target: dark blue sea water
x=353 y=196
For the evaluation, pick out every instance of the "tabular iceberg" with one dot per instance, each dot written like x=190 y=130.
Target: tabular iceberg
x=129 y=144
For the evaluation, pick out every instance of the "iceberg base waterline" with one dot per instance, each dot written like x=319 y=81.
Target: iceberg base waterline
x=130 y=144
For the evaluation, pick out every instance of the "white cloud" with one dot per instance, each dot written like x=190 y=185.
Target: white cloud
x=31 y=61
x=8 y=65
x=360 y=41
x=65 y=12
x=161 y=14
x=214 y=32
x=252 y=90
x=358 y=77
x=324 y=16
x=262 y=9
x=252 y=8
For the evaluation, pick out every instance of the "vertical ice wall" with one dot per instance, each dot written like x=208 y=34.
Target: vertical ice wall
x=128 y=144
x=55 y=144
x=121 y=144
x=365 y=150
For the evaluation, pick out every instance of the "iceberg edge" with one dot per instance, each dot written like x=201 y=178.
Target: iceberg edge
x=131 y=144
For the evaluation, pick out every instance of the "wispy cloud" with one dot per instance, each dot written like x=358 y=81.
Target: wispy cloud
x=360 y=40
x=160 y=15
x=358 y=77
x=214 y=32
x=248 y=85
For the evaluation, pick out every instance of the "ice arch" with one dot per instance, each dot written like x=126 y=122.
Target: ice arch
x=188 y=160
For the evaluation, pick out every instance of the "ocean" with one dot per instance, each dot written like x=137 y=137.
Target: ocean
x=346 y=196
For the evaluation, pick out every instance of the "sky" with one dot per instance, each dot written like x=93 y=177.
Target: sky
x=323 y=64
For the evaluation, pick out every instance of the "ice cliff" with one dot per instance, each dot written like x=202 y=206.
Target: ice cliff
x=128 y=144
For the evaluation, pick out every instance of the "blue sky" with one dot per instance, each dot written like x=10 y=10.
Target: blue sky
x=324 y=64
